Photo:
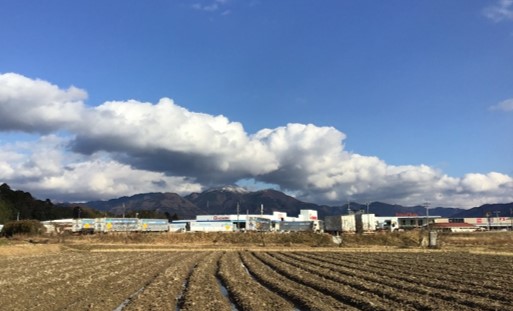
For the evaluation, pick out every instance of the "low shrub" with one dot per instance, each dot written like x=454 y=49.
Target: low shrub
x=213 y=238
x=404 y=239
x=25 y=227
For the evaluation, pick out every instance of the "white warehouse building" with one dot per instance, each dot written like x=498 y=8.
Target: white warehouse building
x=307 y=220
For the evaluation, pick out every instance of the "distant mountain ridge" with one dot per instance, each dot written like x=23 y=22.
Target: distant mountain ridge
x=491 y=210
x=226 y=200
x=217 y=201
x=171 y=203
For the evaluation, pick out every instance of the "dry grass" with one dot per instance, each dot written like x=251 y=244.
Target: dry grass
x=17 y=248
x=204 y=239
x=495 y=242
x=405 y=239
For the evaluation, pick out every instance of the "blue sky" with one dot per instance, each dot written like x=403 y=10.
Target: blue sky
x=393 y=88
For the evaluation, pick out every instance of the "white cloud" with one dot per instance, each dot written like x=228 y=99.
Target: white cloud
x=109 y=179
x=36 y=105
x=167 y=137
x=127 y=147
x=31 y=160
x=211 y=6
x=502 y=10
x=45 y=168
x=505 y=105
x=483 y=183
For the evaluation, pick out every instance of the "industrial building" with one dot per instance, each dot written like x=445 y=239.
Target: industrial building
x=481 y=223
x=307 y=220
x=105 y=225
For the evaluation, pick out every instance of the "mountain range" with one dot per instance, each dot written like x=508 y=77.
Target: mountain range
x=231 y=199
x=226 y=200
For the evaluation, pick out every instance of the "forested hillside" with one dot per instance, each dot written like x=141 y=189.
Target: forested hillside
x=17 y=204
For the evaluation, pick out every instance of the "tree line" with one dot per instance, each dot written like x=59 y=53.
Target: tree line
x=21 y=205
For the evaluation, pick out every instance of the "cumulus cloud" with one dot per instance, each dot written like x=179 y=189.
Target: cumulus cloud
x=36 y=105
x=505 y=105
x=45 y=168
x=484 y=183
x=500 y=11
x=108 y=179
x=127 y=147
x=166 y=137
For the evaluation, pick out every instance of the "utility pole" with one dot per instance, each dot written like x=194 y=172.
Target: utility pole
x=488 y=218
x=238 y=212
x=426 y=205
x=497 y=221
x=511 y=217
x=368 y=218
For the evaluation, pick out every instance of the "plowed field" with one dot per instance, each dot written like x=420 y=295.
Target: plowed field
x=256 y=280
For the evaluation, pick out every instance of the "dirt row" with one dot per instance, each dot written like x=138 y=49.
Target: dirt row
x=475 y=275
x=393 y=295
x=248 y=293
x=81 y=281
x=341 y=291
x=255 y=281
x=444 y=273
x=474 y=263
x=304 y=297
x=458 y=292
x=203 y=291
x=166 y=291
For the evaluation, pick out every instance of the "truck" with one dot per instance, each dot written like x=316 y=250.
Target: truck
x=153 y=225
x=116 y=225
x=177 y=226
x=210 y=226
x=365 y=222
x=293 y=226
x=340 y=223
x=258 y=224
x=83 y=225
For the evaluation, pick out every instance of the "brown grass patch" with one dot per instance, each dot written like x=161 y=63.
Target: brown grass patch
x=486 y=242
x=28 y=249
x=489 y=241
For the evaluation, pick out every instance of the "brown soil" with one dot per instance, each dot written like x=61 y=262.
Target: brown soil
x=80 y=275
x=262 y=280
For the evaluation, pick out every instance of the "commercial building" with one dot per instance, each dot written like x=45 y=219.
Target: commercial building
x=307 y=220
